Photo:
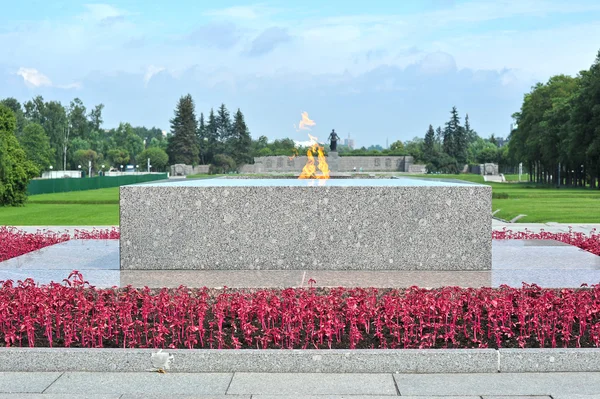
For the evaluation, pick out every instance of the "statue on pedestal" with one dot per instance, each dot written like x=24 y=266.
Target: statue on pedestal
x=333 y=139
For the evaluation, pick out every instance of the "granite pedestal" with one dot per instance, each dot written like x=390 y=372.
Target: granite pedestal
x=345 y=224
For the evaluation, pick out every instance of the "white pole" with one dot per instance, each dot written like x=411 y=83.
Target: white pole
x=148 y=165
x=90 y=169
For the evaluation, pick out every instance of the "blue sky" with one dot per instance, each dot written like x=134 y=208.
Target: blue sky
x=380 y=70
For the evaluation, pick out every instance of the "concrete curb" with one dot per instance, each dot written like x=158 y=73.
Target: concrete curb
x=304 y=361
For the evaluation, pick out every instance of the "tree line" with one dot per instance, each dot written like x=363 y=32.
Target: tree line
x=60 y=137
x=558 y=130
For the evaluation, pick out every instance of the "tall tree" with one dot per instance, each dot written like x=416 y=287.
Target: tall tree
x=471 y=134
x=429 y=145
x=241 y=142
x=202 y=139
x=439 y=135
x=211 y=137
x=55 y=125
x=95 y=117
x=36 y=144
x=78 y=119
x=450 y=132
x=224 y=129
x=183 y=144
x=16 y=108
x=15 y=169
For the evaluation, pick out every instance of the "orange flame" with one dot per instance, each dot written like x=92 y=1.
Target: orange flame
x=310 y=170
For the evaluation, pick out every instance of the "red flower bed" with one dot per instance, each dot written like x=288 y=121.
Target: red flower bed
x=77 y=315
x=589 y=243
x=15 y=242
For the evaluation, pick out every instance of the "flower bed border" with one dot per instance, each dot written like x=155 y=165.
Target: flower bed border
x=304 y=361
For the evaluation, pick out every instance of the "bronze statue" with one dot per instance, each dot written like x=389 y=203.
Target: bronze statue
x=333 y=138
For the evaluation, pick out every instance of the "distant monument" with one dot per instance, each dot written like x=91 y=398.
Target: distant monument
x=333 y=139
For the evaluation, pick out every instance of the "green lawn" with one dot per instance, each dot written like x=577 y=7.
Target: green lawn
x=101 y=207
x=540 y=203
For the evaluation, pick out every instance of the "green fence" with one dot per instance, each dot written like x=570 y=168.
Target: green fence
x=43 y=186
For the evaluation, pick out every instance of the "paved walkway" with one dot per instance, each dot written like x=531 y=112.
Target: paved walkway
x=83 y=385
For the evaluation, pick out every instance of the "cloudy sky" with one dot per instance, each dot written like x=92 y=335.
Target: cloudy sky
x=375 y=70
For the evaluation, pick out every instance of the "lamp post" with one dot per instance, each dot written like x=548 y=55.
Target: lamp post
x=102 y=170
x=121 y=168
x=79 y=167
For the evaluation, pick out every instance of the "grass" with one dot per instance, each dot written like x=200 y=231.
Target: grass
x=540 y=203
x=101 y=207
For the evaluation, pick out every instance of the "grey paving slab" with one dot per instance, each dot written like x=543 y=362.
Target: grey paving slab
x=541 y=254
x=516 y=397
x=79 y=255
x=549 y=360
x=151 y=383
x=97 y=278
x=14 y=382
x=548 y=278
x=361 y=397
x=147 y=396
x=57 y=396
x=63 y=229
x=212 y=278
x=498 y=384
x=400 y=279
x=571 y=396
x=252 y=360
x=312 y=384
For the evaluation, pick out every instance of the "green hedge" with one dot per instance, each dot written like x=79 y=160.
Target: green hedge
x=44 y=186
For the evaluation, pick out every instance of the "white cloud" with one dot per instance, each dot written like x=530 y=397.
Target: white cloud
x=33 y=77
x=237 y=12
x=150 y=72
x=103 y=11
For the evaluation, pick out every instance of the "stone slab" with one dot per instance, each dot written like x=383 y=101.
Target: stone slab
x=97 y=278
x=147 y=396
x=254 y=360
x=73 y=254
x=365 y=397
x=15 y=382
x=213 y=278
x=58 y=396
x=290 y=224
x=549 y=360
x=575 y=396
x=546 y=278
x=132 y=383
x=539 y=254
x=498 y=384
x=398 y=279
x=312 y=384
x=516 y=397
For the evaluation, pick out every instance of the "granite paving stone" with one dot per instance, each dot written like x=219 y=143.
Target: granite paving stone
x=15 y=382
x=575 y=396
x=150 y=396
x=549 y=360
x=151 y=383
x=58 y=396
x=498 y=384
x=400 y=279
x=362 y=397
x=212 y=278
x=516 y=397
x=312 y=384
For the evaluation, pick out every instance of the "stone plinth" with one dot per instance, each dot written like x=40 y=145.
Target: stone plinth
x=287 y=224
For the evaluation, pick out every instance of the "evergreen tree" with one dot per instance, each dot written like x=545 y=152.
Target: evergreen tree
x=439 y=135
x=450 y=132
x=241 y=142
x=429 y=144
x=212 y=137
x=202 y=139
x=15 y=169
x=183 y=143
x=223 y=124
x=471 y=134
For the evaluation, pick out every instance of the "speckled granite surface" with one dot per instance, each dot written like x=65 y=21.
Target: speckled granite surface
x=347 y=224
